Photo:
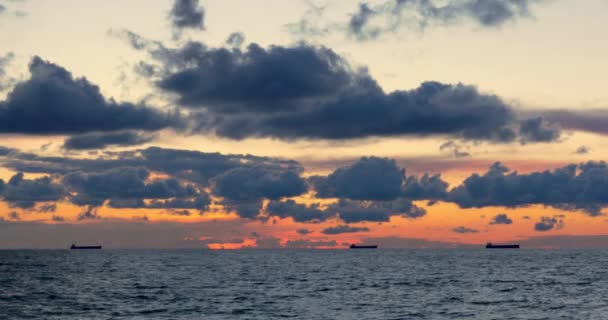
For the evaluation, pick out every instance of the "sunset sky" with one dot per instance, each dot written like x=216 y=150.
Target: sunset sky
x=303 y=123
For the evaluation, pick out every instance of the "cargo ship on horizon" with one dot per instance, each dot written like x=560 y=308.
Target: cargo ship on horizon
x=75 y=247
x=354 y=246
x=489 y=245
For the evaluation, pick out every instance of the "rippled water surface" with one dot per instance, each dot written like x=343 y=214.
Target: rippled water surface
x=302 y=284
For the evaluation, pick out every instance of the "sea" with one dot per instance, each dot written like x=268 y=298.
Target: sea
x=304 y=284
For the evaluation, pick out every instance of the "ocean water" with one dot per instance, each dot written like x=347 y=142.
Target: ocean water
x=304 y=284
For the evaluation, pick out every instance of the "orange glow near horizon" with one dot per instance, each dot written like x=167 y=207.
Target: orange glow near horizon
x=437 y=225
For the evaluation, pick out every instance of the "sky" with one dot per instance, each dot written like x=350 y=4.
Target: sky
x=229 y=124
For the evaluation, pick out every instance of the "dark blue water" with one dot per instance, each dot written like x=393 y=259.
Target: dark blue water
x=302 y=284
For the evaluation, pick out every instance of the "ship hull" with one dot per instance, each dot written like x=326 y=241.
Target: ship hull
x=85 y=247
x=363 y=247
x=509 y=246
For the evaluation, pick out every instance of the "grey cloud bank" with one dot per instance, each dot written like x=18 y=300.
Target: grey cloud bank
x=186 y=14
x=103 y=140
x=370 y=189
x=373 y=21
x=310 y=92
x=52 y=101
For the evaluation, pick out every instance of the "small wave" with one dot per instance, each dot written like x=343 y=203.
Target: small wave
x=151 y=311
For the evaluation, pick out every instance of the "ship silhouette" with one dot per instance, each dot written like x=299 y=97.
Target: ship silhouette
x=489 y=245
x=354 y=246
x=75 y=247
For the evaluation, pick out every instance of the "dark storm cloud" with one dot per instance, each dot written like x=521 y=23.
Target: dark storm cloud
x=189 y=165
x=310 y=92
x=536 y=130
x=249 y=183
x=187 y=14
x=121 y=177
x=375 y=211
x=87 y=200
x=367 y=179
x=547 y=224
x=52 y=101
x=124 y=183
x=344 y=229
x=573 y=187
x=379 y=179
x=349 y=211
x=245 y=209
x=101 y=140
x=25 y=193
x=371 y=189
x=458 y=111
x=256 y=79
x=299 y=212
x=426 y=187
x=501 y=219
x=201 y=167
x=464 y=230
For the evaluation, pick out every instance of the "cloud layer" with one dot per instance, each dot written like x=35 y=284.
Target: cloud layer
x=372 y=21
x=186 y=14
x=548 y=223
x=310 y=92
x=571 y=187
x=102 y=140
x=344 y=229
x=52 y=101
x=421 y=14
x=125 y=180
x=23 y=193
x=370 y=189
x=367 y=179
x=501 y=219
